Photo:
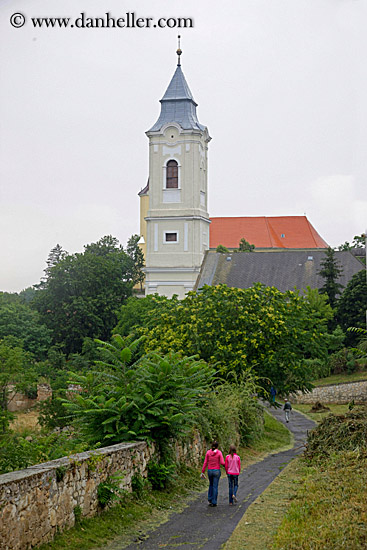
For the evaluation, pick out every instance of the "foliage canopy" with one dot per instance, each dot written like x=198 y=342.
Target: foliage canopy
x=352 y=305
x=19 y=320
x=259 y=329
x=82 y=293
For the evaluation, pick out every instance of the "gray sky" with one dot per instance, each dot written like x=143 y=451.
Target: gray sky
x=281 y=85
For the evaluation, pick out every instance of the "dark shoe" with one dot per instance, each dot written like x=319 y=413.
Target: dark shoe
x=212 y=505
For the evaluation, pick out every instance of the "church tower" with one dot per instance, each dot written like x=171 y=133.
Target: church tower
x=177 y=219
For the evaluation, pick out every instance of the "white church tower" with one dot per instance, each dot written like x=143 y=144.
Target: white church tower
x=177 y=220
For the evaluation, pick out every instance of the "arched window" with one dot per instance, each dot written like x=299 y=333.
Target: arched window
x=172 y=175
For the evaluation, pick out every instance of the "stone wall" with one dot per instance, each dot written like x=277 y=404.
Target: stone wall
x=336 y=393
x=19 y=401
x=191 y=450
x=37 y=502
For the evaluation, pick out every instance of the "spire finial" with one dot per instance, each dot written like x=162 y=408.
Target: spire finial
x=179 y=51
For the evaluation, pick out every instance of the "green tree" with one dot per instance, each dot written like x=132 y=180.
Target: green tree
x=258 y=329
x=359 y=241
x=245 y=246
x=136 y=254
x=142 y=312
x=55 y=256
x=352 y=305
x=17 y=319
x=15 y=370
x=319 y=304
x=27 y=294
x=330 y=271
x=83 y=293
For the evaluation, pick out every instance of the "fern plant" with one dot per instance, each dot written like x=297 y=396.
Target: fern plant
x=109 y=491
x=155 y=398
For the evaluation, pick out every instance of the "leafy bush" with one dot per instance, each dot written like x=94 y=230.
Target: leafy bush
x=52 y=413
x=160 y=475
x=342 y=361
x=155 y=398
x=337 y=362
x=319 y=368
x=18 y=452
x=232 y=414
x=222 y=249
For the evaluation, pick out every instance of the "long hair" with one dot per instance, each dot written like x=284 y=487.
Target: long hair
x=232 y=450
x=215 y=445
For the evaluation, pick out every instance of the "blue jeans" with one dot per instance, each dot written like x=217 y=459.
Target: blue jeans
x=232 y=486
x=213 y=476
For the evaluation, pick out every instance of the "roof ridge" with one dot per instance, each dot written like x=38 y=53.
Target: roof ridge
x=267 y=228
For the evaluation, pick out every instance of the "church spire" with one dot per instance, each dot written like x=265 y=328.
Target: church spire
x=179 y=51
x=178 y=104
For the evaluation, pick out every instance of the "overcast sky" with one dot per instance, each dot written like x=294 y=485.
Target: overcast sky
x=281 y=85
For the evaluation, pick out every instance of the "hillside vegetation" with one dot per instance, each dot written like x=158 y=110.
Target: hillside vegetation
x=330 y=508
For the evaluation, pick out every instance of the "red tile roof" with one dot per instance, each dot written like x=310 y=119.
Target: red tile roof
x=265 y=232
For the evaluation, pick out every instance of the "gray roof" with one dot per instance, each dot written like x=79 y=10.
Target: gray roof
x=284 y=269
x=178 y=105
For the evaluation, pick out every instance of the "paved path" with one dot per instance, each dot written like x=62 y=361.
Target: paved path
x=205 y=528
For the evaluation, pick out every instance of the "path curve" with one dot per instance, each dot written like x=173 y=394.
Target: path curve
x=201 y=527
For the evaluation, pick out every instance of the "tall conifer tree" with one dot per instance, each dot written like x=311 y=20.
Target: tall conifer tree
x=330 y=271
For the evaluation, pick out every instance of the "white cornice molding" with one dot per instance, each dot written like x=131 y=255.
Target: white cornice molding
x=171 y=269
x=203 y=133
x=170 y=218
x=177 y=142
x=185 y=284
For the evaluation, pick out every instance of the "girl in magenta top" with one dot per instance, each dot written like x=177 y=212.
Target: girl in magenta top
x=213 y=460
x=233 y=470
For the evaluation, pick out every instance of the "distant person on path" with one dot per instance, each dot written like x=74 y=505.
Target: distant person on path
x=287 y=409
x=213 y=460
x=273 y=393
x=233 y=469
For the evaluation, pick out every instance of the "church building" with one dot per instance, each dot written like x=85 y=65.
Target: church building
x=179 y=239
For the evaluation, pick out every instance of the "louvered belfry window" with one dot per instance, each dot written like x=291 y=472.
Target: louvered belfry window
x=172 y=175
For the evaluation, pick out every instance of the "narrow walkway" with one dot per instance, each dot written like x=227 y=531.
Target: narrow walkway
x=205 y=528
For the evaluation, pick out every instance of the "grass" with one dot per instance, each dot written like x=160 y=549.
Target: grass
x=334 y=409
x=341 y=378
x=258 y=526
x=26 y=421
x=276 y=436
x=119 y=526
x=330 y=508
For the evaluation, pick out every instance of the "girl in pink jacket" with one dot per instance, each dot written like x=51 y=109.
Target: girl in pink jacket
x=213 y=460
x=233 y=470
